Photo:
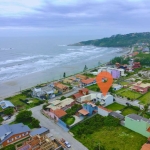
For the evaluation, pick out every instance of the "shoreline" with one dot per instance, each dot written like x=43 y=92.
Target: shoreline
x=8 y=90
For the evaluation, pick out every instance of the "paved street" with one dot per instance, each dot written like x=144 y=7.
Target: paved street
x=57 y=131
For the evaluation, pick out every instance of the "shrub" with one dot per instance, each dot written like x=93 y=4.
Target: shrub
x=23 y=116
x=62 y=98
x=8 y=111
x=35 y=123
x=128 y=98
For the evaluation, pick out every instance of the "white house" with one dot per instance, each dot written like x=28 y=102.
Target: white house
x=117 y=87
x=103 y=111
x=94 y=97
x=6 y=104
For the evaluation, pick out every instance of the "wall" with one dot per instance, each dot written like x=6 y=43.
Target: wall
x=108 y=100
x=5 y=143
x=137 y=126
x=102 y=112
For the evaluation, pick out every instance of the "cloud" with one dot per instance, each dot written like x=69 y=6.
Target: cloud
x=116 y=15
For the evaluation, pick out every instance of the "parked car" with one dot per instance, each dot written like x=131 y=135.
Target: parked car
x=67 y=144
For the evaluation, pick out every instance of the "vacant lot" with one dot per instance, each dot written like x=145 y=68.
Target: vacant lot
x=115 y=106
x=94 y=88
x=145 y=99
x=128 y=111
x=130 y=94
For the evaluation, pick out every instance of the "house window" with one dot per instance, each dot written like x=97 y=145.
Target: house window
x=10 y=140
x=26 y=133
x=23 y=134
x=17 y=137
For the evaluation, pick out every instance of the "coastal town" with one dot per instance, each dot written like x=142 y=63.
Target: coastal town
x=72 y=113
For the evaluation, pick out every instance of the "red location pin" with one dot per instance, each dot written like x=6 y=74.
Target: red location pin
x=104 y=80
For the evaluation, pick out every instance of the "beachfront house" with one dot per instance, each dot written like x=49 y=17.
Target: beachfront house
x=80 y=93
x=10 y=134
x=80 y=77
x=138 y=124
x=88 y=82
x=6 y=104
x=61 y=87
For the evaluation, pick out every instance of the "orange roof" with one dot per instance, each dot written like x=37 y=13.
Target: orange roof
x=105 y=109
x=59 y=113
x=148 y=129
x=88 y=81
x=80 y=76
x=145 y=147
x=83 y=112
x=84 y=90
x=78 y=95
x=60 y=86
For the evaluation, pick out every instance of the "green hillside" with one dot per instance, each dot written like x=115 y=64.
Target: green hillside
x=118 y=40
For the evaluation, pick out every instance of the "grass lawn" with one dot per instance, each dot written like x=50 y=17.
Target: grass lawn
x=128 y=111
x=119 y=138
x=124 y=83
x=89 y=75
x=15 y=100
x=70 y=120
x=120 y=91
x=130 y=94
x=93 y=87
x=145 y=98
x=1 y=109
x=115 y=106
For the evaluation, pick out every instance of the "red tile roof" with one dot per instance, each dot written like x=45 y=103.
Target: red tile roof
x=88 y=81
x=60 y=86
x=148 y=129
x=78 y=95
x=105 y=109
x=83 y=112
x=59 y=113
x=84 y=90
x=145 y=147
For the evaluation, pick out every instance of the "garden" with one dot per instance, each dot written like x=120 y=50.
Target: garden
x=145 y=99
x=115 y=106
x=24 y=101
x=116 y=136
x=93 y=87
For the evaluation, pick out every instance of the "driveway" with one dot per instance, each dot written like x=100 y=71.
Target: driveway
x=57 y=131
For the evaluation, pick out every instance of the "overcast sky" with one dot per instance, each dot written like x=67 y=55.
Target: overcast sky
x=88 y=19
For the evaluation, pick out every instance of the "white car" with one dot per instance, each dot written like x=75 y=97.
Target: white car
x=67 y=144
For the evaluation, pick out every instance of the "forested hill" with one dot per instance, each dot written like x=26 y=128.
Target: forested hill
x=118 y=40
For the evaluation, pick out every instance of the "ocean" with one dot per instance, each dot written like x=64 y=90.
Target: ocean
x=28 y=61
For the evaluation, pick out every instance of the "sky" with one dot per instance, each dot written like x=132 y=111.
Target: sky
x=86 y=19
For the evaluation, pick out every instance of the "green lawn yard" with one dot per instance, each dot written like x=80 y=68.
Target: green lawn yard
x=145 y=99
x=15 y=100
x=128 y=111
x=93 y=88
x=130 y=94
x=117 y=138
x=120 y=91
x=115 y=106
x=70 y=120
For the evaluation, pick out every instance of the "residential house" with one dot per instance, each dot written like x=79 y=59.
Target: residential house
x=138 y=124
x=94 y=97
x=12 y=133
x=88 y=109
x=81 y=92
x=115 y=73
x=42 y=92
x=145 y=50
x=117 y=87
x=135 y=53
x=140 y=87
x=103 y=111
x=67 y=81
x=41 y=131
x=6 y=104
x=61 y=87
x=88 y=82
x=146 y=146
x=80 y=77
x=136 y=65
x=40 y=143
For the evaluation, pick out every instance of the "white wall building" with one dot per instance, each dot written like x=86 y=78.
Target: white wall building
x=104 y=100
x=103 y=111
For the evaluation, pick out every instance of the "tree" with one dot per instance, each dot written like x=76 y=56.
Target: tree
x=85 y=68
x=23 y=116
x=111 y=90
x=1 y=119
x=9 y=111
x=44 y=106
x=62 y=98
x=97 y=103
x=64 y=75
x=9 y=147
x=35 y=123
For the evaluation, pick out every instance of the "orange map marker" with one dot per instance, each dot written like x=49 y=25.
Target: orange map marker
x=104 y=80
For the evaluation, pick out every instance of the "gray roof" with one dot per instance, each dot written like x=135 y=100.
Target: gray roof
x=39 y=131
x=138 y=118
x=4 y=104
x=14 y=129
x=116 y=115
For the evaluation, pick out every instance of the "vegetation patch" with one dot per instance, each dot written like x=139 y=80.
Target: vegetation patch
x=115 y=106
x=93 y=87
x=108 y=127
x=69 y=120
x=145 y=99
x=128 y=111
